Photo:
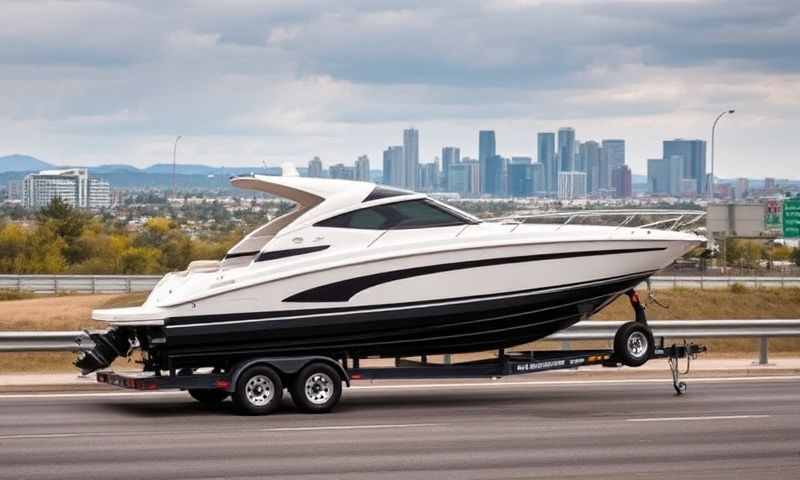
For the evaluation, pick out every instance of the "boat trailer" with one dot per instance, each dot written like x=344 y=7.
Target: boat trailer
x=315 y=382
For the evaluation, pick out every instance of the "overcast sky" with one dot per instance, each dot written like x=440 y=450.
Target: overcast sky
x=252 y=81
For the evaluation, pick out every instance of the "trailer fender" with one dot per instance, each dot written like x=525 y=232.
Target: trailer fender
x=286 y=366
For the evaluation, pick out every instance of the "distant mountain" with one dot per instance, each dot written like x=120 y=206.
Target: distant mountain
x=22 y=163
x=195 y=169
x=120 y=167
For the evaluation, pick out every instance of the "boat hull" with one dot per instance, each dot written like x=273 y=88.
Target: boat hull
x=457 y=325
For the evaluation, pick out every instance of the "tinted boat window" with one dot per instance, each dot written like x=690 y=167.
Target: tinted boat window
x=411 y=214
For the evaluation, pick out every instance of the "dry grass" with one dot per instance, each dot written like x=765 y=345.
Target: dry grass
x=60 y=313
x=54 y=313
x=72 y=313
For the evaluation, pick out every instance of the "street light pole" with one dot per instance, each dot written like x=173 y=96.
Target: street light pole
x=710 y=183
x=174 y=152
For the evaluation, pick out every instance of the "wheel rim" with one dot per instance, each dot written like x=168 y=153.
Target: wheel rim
x=319 y=388
x=637 y=344
x=259 y=390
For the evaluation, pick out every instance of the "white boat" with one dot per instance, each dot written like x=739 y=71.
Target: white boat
x=358 y=269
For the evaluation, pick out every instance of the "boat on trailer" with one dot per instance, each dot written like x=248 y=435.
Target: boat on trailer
x=358 y=270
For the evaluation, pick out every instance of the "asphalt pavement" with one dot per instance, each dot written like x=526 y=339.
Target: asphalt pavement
x=524 y=428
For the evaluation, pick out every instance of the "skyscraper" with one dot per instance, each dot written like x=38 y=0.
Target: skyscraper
x=496 y=178
x=621 y=180
x=394 y=172
x=613 y=157
x=464 y=178
x=315 y=167
x=571 y=185
x=342 y=172
x=427 y=177
x=694 y=159
x=546 y=151
x=520 y=177
x=590 y=153
x=665 y=176
x=487 y=148
x=450 y=156
x=566 y=149
x=411 y=157
x=362 y=168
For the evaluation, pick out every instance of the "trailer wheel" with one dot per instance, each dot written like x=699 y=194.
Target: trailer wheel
x=258 y=391
x=317 y=388
x=633 y=344
x=211 y=398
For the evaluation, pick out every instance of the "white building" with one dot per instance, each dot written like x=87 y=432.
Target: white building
x=571 y=185
x=73 y=186
x=362 y=168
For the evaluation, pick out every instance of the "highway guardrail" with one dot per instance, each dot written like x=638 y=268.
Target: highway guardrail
x=589 y=330
x=54 y=284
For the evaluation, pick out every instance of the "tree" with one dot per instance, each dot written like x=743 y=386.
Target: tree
x=796 y=256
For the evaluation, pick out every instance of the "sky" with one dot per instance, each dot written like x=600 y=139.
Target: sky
x=248 y=82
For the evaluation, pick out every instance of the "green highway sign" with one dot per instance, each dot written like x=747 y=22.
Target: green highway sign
x=791 y=218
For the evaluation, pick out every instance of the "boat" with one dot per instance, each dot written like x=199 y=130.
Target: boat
x=358 y=270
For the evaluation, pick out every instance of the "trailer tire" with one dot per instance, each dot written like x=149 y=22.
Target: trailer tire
x=259 y=391
x=633 y=344
x=210 y=398
x=317 y=388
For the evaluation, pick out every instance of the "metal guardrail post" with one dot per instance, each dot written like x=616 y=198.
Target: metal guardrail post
x=19 y=284
x=128 y=283
x=763 y=351
x=55 y=285
x=448 y=359
x=94 y=284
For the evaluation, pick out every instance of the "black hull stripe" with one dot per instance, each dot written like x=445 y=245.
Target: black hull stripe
x=344 y=312
x=456 y=328
x=344 y=290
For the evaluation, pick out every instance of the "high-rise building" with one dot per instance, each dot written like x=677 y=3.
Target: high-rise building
x=342 y=172
x=520 y=177
x=546 y=151
x=769 y=183
x=427 y=177
x=694 y=159
x=495 y=181
x=411 y=157
x=571 y=185
x=465 y=177
x=74 y=186
x=362 y=168
x=394 y=172
x=537 y=172
x=589 y=153
x=566 y=149
x=613 y=156
x=665 y=176
x=487 y=147
x=621 y=181
x=450 y=156
x=15 y=190
x=315 y=168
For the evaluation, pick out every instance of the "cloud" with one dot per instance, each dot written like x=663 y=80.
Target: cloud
x=248 y=80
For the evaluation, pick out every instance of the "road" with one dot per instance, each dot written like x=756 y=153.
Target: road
x=742 y=428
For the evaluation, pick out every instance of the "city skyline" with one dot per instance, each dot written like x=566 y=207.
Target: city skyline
x=91 y=83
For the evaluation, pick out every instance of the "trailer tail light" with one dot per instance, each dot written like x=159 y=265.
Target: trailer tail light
x=222 y=384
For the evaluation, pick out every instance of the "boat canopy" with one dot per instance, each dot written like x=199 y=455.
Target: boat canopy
x=323 y=196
